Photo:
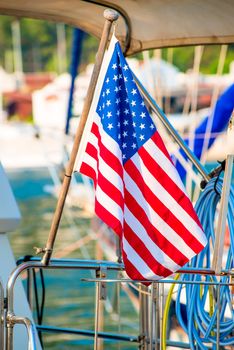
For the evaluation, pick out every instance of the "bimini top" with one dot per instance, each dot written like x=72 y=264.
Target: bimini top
x=143 y=24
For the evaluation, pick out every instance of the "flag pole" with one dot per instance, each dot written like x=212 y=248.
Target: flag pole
x=191 y=156
x=110 y=16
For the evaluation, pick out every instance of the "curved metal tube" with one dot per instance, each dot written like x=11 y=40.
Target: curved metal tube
x=72 y=264
x=75 y=264
x=191 y=156
x=31 y=331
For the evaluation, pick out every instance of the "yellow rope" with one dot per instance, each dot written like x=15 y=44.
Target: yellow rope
x=166 y=312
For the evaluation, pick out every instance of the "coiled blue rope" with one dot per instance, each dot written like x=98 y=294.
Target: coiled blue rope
x=199 y=324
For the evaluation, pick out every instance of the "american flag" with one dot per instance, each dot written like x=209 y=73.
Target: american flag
x=138 y=192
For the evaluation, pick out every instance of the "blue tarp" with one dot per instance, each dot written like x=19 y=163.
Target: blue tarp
x=222 y=113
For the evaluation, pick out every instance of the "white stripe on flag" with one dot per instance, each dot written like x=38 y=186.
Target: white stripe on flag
x=93 y=140
x=109 y=204
x=110 y=175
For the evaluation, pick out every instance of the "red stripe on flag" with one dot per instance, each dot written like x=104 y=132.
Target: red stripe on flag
x=92 y=151
x=159 y=207
x=89 y=171
x=166 y=246
x=108 y=218
x=144 y=253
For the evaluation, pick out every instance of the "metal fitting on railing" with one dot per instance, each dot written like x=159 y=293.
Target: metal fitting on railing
x=102 y=273
x=31 y=331
x=1 y=316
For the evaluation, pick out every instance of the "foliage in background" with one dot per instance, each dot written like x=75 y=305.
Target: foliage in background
x=39 y=47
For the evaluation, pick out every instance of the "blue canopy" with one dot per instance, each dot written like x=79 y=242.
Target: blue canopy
x=222 y=113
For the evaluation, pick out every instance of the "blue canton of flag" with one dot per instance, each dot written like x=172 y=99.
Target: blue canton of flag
x=121 y=108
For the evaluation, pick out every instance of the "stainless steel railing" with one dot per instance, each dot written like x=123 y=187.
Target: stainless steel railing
x=151 y=303
x=31 y=331
x=12 y=319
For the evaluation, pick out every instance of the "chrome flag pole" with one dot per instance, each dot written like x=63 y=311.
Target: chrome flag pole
x=191 y=156
x=110 y=16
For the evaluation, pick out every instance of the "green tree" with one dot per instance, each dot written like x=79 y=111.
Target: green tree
x=39 y=48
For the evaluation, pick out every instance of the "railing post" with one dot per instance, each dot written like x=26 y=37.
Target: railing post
x=144 y=318
x=100 y=296
x=221 y=226
x=1 y=316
